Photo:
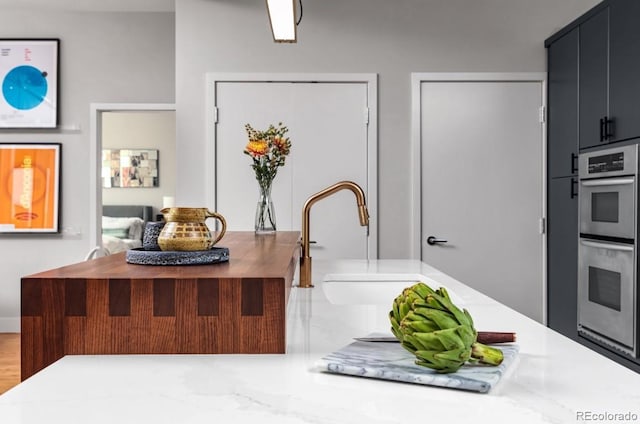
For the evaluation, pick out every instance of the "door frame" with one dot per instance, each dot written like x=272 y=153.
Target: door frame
x=417 y=78
x=371 y=81
x=95 y=156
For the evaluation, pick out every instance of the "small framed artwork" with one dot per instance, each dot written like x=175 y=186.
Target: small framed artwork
x=127 y=168
x=30 y=187
x=29 y=83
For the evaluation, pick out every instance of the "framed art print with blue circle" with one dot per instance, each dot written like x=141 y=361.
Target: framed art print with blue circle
x=29 y=83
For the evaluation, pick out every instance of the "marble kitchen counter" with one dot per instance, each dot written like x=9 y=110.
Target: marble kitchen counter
x=554 y=380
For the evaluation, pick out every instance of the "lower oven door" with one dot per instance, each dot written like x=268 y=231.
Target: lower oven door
x=607 y=293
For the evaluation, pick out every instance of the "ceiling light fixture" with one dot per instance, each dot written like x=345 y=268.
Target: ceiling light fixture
x=282 y=17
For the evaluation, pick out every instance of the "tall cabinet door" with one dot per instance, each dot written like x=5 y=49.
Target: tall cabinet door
x=562 y=139
x=562 y=142
x=328 y=131
x=624 y=78
x=594 y=76
x=562 y=259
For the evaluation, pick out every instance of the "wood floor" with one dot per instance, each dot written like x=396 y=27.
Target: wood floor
x=9 y=360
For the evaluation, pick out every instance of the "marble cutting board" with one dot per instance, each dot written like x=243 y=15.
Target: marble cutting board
x=390 y=361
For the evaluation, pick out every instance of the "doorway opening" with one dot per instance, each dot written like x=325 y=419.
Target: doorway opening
x=120 y=120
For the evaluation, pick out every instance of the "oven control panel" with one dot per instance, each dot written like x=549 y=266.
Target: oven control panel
x=606 y=163
x=616 y=162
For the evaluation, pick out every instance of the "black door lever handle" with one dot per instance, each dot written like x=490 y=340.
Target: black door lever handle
x=431 y=240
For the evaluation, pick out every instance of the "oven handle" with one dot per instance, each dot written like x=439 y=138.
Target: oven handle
x=607 y=182
x=609 y=246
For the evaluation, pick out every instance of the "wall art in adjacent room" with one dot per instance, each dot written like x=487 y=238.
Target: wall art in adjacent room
x=125 y=168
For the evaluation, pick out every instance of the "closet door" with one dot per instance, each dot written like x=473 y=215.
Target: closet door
x=481 y=186
x=328 y=130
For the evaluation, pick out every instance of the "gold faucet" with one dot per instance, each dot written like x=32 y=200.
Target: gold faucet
x=305 y=258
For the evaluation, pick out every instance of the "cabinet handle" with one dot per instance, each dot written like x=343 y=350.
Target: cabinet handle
x=574 y=163
x=601 y=129
x=574 y=183
x=608 y=128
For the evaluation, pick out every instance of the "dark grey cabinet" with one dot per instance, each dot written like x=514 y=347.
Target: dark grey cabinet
x=609 y=66
x=593 y=99
x=624 y=69
x=562 y=164
x=594 y=79
x=562 y=136
x=562 y=255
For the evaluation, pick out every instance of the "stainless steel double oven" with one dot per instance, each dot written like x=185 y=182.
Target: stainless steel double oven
x=607 y=249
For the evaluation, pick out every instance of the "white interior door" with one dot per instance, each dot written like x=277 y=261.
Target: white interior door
x=236 y=186
x=328 y=130
x=481 y=186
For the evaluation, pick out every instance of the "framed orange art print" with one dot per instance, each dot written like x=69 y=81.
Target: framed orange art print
x=30 y=187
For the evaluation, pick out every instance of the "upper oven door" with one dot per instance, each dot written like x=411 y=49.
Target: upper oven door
x=607 y=207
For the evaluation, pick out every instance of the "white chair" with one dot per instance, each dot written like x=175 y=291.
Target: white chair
x=97 y=252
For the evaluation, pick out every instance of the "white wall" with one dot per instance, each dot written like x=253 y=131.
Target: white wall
x=123 y=57
x=105 y=58
x=142 y=130
x=390 y=38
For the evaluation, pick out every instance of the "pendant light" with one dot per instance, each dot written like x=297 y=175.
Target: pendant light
x=282 y=17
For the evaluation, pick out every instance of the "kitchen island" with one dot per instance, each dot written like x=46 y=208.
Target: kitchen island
x=110 y=306
x=554 y=380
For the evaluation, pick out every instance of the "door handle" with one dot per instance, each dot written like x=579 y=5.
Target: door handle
x=431 y=240
x=574 y=165
x=601 y=129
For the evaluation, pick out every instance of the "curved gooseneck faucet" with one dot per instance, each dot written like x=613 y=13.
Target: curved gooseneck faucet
x=305 y=257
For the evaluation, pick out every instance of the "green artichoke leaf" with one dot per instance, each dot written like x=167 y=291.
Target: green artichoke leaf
x=440 y=335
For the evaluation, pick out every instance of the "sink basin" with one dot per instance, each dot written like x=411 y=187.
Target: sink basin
x=373 y=289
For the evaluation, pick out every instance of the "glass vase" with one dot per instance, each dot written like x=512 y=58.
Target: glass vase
x=265 y=222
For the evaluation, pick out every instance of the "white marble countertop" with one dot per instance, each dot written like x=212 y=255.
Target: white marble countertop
x=554 y=379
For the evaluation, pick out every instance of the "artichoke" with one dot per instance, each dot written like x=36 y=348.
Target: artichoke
x=438 y=333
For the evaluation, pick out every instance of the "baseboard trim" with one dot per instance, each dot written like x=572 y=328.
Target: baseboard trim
x=9 y=325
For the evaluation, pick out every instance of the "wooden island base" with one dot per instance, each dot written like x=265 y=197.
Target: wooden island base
x=107 y=306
